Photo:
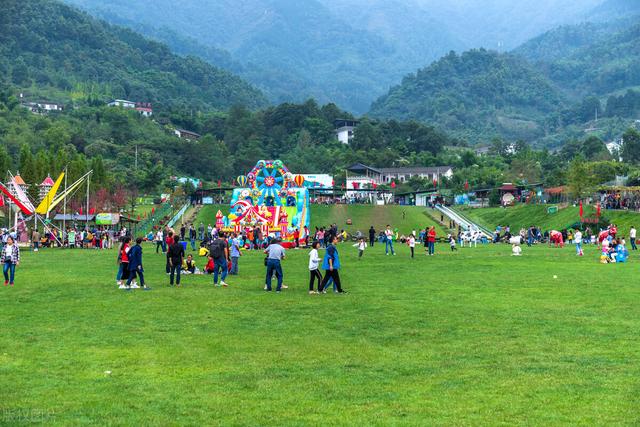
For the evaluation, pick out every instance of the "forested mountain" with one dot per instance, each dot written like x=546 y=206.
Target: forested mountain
x=591 y=59
x=48 y=46
x=476 y=94
x=343 y=51
x=610 y=10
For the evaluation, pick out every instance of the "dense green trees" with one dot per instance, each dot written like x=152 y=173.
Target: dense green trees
x=47 y=48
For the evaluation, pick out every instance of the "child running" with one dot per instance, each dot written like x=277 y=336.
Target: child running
x=452 y=243
x=314 y=263
x=361 y=245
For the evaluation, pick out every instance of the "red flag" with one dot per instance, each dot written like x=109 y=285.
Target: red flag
x=153 y=210
x=356 y=185
x=219 y=184
x=466 y=186
x=80 y=211
x=374 y=185
x=598 y=209
x=1 y=201
x=342 y=186
x=393 y=184
x=435 y=183
x=581 y=210
x=333 y=183
x=92 y=211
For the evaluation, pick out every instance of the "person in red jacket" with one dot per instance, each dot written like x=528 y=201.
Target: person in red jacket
x=169 y=241
x=431 y=240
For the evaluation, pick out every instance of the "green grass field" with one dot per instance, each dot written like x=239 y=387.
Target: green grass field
x=475 y=337
x=523 y=216
x=362 y=217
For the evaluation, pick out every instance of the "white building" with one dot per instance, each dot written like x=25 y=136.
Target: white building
x=122 y=103
x=615 y=148
x=344 y=130
x=186 y=134
x=42 y=107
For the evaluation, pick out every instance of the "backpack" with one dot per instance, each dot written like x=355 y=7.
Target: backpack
x=217 y=249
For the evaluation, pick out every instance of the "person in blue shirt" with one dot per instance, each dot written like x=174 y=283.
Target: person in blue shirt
x=135 y=265
x=235 y=254
x=331 y=265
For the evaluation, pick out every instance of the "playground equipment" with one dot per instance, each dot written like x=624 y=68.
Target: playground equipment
x=271 y=198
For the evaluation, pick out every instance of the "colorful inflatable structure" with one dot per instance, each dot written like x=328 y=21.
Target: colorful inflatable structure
x=271 y=198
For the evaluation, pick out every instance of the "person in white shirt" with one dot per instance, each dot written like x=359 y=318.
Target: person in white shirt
x=412 y=244
x=577 y=239
x=632 y=238
x=389 y=240
x=361 y=245
x=314 y=263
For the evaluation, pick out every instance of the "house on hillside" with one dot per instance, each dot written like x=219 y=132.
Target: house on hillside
x=186 y=134
x=144 y=108
x=42 y=107
x=482 y=151
x=344 y=129
x=363 y=175
x=122 y=103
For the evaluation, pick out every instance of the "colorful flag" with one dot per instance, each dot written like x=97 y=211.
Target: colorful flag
x=581 y=210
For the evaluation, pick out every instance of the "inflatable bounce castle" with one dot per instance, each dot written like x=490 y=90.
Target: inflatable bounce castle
x=271 y=198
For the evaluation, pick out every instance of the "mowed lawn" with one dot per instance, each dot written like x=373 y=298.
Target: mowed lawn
x=362 y=217
x=472 y=338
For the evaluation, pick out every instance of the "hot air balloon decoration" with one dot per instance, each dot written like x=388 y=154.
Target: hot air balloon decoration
x=242 y=180
x=299 y=180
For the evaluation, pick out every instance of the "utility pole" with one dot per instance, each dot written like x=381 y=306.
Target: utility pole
x=136 y=163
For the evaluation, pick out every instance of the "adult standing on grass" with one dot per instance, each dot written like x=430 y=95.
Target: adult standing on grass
x=632 y=238
x=275 y=254
x=235 y=253
x=123 y=262
x=431 y=240
x=388 y=234
x=168 y=242
x=331 y=266
x=10 y=259
x=201 y=231
x=577 y=238
x=176 y=257
x=219 y=251
x=159 y=238
x=135 y=265
x=372 y=236
x=192 y=237
x=35 y=239
x=314 y=265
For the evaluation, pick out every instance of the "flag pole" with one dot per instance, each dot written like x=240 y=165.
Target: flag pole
x=64 y=206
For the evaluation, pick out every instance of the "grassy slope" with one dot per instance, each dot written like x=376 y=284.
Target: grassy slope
x=362 y=216
x=527 y=215
x=473 y=338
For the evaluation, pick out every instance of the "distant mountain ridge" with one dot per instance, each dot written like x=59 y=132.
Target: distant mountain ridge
x=49 y=44
x=344 y=51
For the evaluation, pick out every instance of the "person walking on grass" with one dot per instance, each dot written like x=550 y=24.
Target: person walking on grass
x=235 y=254
x=123 y=262
x=219 y=251
x=431 y=241
x=176 y=257
x=314 y=264
x=577 y=238
x=331 y=266
x=135 y=265
x=388 y=234
x=632 y=238
x=10 y=259
x=361 y=245
x=372 y=236
x=275 y=254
